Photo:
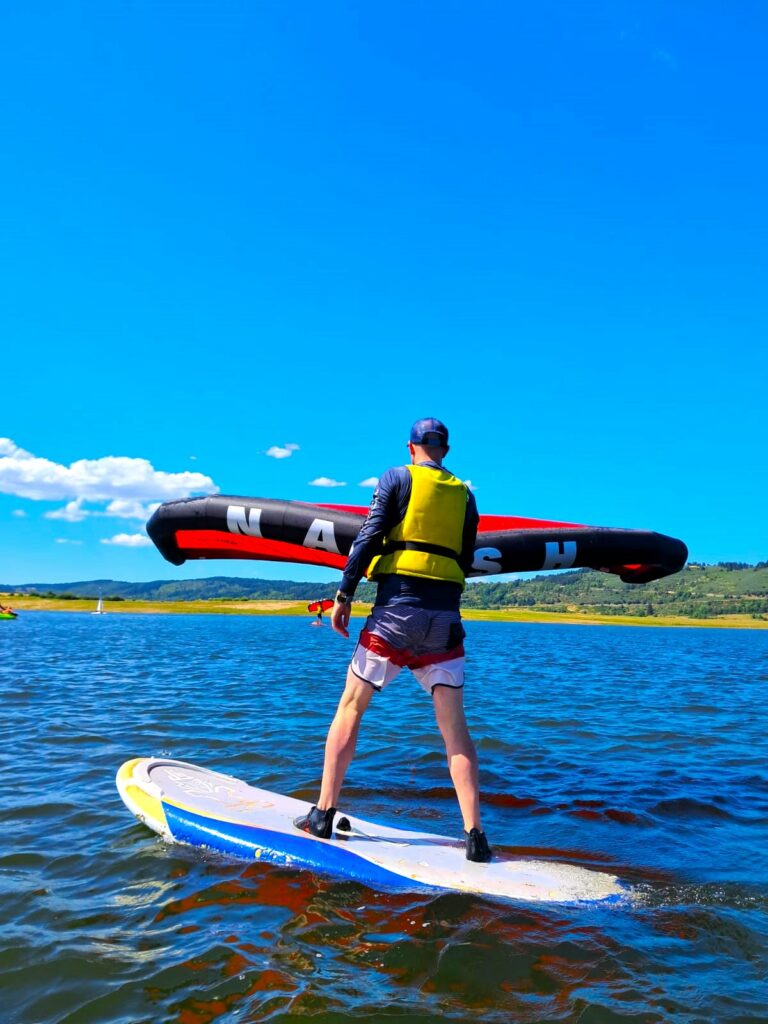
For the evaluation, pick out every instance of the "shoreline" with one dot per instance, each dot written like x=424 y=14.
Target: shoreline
x=224 y=606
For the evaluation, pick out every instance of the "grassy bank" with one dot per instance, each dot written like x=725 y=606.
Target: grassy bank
x=218 y=607
x=584 y=619
x=228 y=607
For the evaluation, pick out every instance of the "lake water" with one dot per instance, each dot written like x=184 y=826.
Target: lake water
x=640 y=751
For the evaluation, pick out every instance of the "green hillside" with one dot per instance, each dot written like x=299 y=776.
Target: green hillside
x=213 y=588
x=699 y=591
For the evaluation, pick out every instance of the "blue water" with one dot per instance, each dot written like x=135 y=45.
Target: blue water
x=640 y=751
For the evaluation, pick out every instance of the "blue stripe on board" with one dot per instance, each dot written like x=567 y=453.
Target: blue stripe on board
x=250 y=842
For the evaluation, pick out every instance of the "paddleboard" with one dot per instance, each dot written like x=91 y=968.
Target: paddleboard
x=187 y=804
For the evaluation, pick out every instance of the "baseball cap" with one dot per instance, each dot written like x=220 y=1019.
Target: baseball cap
x=430 y=432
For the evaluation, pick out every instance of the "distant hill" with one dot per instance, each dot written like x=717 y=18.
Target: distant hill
x=700 y=591
x=216 y=587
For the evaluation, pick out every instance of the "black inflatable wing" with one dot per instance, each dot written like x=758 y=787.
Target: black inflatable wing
x=293 y=531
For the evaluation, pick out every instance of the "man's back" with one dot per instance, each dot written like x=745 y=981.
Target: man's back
x=402 y=578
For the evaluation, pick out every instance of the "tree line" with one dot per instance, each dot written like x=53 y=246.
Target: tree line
x=698 y=591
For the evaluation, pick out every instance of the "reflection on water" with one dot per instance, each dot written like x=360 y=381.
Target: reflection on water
x=641 y=752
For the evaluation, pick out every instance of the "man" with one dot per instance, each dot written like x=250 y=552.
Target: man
x=417 y=543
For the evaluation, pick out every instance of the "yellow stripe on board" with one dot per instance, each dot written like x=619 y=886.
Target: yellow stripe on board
x=145 y=805
x=177 y=805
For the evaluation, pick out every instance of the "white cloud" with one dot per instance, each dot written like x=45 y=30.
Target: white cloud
x=470 y=485
x=121 y=508
x=284 y=452
x=19 y=513
x=73 y=512
x=326 y=481
x=111 y=478
x=7 y=447
x=370 y=481
x=128 y=540
x=67 y=540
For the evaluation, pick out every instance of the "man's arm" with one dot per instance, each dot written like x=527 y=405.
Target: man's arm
x=387 y=508
x=469 y=534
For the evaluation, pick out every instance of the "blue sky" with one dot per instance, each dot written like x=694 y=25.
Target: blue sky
x=232 y=227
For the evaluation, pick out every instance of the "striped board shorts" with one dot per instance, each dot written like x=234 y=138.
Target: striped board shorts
x=429 y=643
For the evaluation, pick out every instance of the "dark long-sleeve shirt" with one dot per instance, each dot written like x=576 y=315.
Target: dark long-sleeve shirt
x=387 y=509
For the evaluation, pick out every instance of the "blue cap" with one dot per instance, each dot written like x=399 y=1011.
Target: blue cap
x=430 y=432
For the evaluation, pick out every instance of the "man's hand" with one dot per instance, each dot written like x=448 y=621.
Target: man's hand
x=340 y=617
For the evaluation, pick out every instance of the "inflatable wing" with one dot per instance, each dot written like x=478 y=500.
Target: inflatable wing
x=293 y=531
x=317 y=606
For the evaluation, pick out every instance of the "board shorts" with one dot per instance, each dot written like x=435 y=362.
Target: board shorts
x=429 y=643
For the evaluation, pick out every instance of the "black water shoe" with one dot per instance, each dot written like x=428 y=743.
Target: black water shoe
x=477 y=846
x=317 y=823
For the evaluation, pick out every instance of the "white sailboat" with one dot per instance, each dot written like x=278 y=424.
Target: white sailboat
x=99 y=607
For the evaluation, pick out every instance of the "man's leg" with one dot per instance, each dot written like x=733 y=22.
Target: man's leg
x=339 y=750
x=462 y=764
x=342 y=738
x=460 y=750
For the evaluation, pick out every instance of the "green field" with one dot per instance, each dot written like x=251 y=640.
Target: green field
x=230 y=607
x=724 y=593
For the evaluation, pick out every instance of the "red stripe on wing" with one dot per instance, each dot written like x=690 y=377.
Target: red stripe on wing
x=216 y=544
x=492 y=524
x=488 y=524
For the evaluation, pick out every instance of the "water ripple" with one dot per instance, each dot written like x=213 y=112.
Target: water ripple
x=615 y=748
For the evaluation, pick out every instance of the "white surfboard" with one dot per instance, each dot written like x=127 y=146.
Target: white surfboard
x=188 y=804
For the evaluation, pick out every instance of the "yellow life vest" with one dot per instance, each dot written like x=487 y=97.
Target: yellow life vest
x=427 y=542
